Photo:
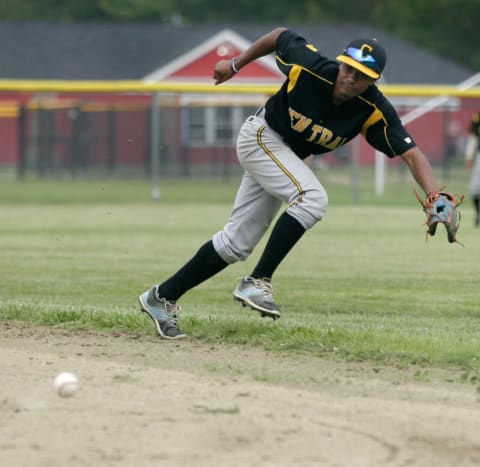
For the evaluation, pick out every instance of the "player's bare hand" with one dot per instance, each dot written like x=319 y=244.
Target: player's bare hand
x=222 y=71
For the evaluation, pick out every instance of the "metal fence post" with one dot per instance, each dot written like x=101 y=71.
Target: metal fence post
x=355 y=170
x=155 y=146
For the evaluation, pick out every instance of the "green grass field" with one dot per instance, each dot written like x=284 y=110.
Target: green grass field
x=363 y=284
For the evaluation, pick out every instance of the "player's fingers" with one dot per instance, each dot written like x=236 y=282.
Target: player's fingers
x=221 y=77
x=432 y=196
x=218 y=79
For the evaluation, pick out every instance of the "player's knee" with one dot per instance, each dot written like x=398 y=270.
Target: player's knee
x=309 y=208
x=229 y=250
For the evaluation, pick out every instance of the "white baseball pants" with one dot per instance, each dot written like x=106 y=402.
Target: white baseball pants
x=474 y=186
x=273 y=174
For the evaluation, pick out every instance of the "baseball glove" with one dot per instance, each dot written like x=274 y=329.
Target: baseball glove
x=441 y=208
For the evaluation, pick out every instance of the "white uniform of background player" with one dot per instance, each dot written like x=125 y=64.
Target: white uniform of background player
x=472 y=160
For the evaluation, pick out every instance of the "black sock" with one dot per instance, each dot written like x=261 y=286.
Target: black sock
x=205 y=264
x=285 y=234
x=476 y=203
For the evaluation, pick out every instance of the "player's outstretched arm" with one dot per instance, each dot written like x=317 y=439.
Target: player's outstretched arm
x=421 y=169
x=225 y=69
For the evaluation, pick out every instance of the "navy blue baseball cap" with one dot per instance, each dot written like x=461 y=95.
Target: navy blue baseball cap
x=365 y=55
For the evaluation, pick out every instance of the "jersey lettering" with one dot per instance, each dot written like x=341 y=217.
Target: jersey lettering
x=316 y=130
x=325 y=137
x=298 y=122
x=318 y=134
x=338 y=141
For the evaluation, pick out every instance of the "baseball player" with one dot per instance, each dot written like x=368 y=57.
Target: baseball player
x=322 y=105
x=472 y=161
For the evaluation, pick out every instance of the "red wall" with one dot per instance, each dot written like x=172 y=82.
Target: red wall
x=132 y=129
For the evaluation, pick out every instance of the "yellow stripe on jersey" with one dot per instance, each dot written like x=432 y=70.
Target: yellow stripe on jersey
x=375 y=117
x=293 y=77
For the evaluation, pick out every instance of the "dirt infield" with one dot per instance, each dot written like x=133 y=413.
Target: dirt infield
x=147 y=402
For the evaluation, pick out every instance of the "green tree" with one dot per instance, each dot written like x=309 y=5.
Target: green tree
x=137 y=10
x=446 y=27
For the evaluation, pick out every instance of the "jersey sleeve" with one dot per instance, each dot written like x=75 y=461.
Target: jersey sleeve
x=293 y=49
x=385 y=132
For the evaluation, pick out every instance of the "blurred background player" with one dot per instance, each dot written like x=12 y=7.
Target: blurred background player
x=472 y=161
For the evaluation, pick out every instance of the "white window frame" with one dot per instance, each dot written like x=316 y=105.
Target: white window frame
x=241 y=108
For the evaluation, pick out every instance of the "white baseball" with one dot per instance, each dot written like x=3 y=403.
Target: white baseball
x=66 y=384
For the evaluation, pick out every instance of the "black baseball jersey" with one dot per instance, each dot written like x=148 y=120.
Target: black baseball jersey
x=475 y=125
x=303 y=113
